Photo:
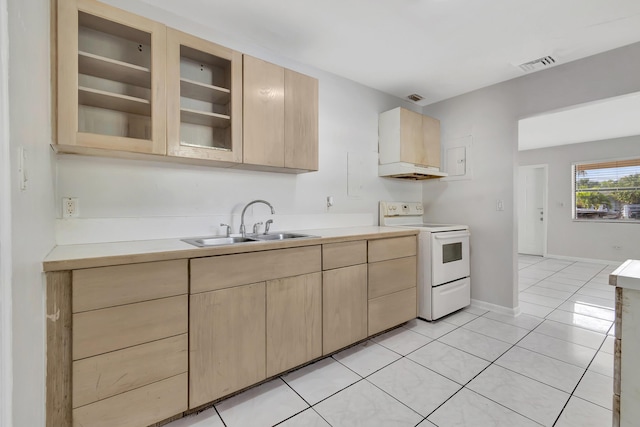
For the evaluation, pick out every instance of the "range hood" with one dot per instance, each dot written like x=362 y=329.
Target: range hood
x=409 y=171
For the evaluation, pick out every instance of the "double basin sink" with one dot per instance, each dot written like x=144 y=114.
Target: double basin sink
x=221 y=240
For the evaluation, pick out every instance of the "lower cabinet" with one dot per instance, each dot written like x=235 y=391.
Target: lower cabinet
x=344 y=307
x=228 y=340
x=294 y=321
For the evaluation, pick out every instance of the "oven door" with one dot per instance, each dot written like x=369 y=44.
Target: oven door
x=449 y=256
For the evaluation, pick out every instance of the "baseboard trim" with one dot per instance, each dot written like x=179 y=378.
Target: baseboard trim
x=500 y=309
x=590 y=260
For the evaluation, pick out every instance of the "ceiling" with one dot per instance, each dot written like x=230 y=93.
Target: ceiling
x=435 y=48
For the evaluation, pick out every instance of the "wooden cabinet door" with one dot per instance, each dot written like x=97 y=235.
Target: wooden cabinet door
x=111 y=69
x=431 y=141
x=344 y=307
x=411 y=141
x=204 y=100
x=300 y=121
x=227 y=342
x=294 y=321
x=263 y=121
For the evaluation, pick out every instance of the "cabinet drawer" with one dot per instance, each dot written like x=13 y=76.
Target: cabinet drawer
x=397 y=247
x=100 y=331
x=99 y=377
x=391 y=310
x=336 y=255
x=219 y=272
x=140 y=407
x=386 y=277
x=96 y=288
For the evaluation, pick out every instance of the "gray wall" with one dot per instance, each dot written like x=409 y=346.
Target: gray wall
x=566 y=237
x=491 y=116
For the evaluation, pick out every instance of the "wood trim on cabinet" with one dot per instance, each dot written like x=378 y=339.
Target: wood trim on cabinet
x=108 y=329
x=224 y=271
x=336 y=255
x=386 y=277
x=139 y=407
x=397 y=247
x=103 y=287
x=59 y=336
x=99 y=377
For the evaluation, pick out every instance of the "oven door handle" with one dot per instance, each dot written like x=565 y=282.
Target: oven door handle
x=449 y=235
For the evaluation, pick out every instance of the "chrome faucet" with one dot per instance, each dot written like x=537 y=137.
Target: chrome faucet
x=267 y=225
x=243 y=231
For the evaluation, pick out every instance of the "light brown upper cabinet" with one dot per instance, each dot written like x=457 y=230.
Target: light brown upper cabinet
x=280 y=118
x=204 y=100
x=406 y=136
x=110 y=80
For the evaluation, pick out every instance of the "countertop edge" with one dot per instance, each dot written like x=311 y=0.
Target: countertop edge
x=626 y=275
x=55 y=262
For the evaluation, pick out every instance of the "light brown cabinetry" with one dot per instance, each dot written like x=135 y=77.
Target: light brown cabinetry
x=409 y=137
x=252 y=315
x=129 y=343
x=294 y=321
x=344 y=295
x=280 y=117
x=110 y=79
x=204 y=100
x=392 y=273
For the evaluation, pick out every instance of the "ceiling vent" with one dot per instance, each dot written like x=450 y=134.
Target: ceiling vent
x=537 y=64
x=415 y=97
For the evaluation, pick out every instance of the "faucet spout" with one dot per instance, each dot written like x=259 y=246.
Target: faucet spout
x=243 y=231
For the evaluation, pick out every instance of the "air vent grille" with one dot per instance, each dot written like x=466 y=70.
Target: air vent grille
x=537 y=64
x=415 y=97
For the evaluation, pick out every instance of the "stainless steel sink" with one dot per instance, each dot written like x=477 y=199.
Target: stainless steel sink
x=217 y=241
x=280 y=236
x=202 y=242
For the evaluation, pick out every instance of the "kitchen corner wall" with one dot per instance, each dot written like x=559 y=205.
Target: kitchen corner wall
x=490 y=116
x=569 y=238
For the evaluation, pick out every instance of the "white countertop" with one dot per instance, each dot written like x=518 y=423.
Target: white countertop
x=627 y=275
x=69 y=257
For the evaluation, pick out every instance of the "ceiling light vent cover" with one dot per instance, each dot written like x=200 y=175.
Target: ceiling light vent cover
x=537 y=64
x=415 y=97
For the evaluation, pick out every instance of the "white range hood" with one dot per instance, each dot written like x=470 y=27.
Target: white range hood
x=410 y=171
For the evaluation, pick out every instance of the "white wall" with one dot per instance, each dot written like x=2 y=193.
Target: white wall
x=195 y=199
x=32 y=209
x=570 y=238
x=490 y=115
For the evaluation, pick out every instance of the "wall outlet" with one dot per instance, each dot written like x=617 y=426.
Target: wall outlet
x=70 y=207
x=499 y=205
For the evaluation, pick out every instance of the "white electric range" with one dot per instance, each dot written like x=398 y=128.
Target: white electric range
x=444 y=282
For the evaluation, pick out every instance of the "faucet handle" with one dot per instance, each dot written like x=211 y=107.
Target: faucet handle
x=256 y=227
x=267 y=225
x=228 y=228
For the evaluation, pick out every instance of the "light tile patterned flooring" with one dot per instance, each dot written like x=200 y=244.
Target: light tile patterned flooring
x=550 y=366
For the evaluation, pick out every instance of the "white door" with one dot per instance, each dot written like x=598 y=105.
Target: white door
x=532 y=215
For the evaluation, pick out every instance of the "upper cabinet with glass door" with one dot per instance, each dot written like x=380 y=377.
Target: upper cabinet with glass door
x=111 y=80
x=204 y=100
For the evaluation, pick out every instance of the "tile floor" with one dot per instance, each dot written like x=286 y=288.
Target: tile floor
x=550 y=366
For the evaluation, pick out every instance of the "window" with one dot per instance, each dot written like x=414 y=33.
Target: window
x=607 y=190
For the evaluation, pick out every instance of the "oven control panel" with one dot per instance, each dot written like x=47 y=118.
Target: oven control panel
x=401 y=209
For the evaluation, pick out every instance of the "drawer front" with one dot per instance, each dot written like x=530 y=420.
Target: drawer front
x=448 y=298
x=219 y=272
x=140 y=407
x=100 y=331
x=336 y=255
x=397 y=247
x=391 y=310
x=99 y=377
x=95 y=288
x=386 y=277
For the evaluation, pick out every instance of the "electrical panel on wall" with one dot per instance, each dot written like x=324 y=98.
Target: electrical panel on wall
x=457 y=159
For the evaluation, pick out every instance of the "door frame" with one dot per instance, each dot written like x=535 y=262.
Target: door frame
x=545 y=204
x=6 y=366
